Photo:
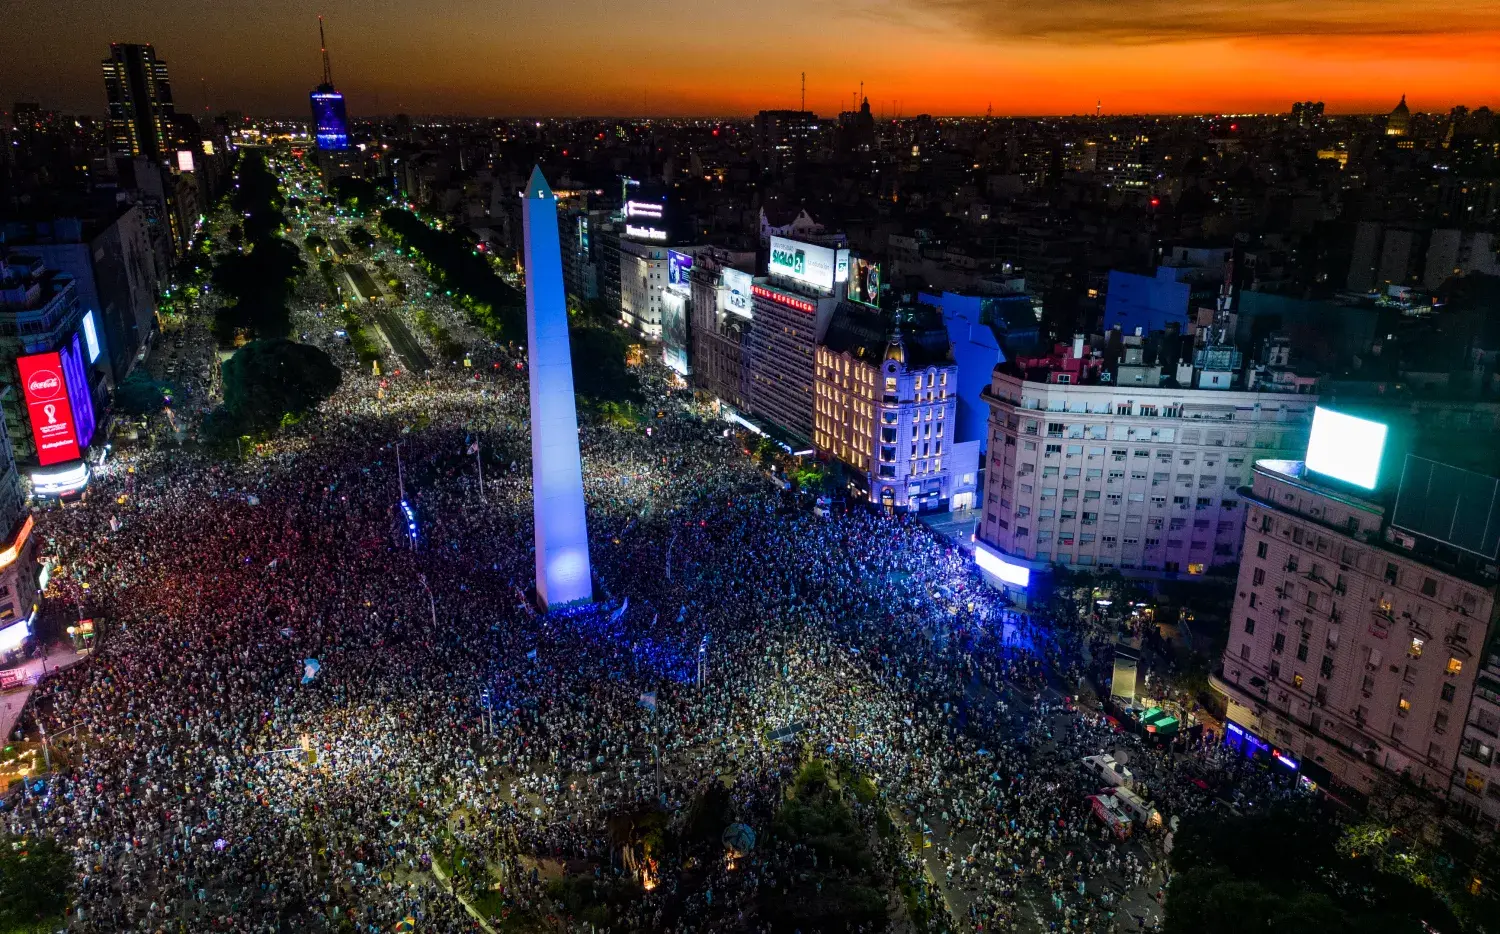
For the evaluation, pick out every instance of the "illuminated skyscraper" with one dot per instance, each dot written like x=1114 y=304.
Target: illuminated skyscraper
x=330 y=124
x=140 y=102
x=562 y=537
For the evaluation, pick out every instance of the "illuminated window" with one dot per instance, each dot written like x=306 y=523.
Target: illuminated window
x=1296 y=681
x=1415 y=651
x=1455 y=666
x=1404 y=706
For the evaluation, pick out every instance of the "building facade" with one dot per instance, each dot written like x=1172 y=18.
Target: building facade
x=643 y=279
x=721 y=310
x=885 y=406
x=139 y=95
x=1355 y=649
x=1138 y=478
x=40 y=313
x=780 y=352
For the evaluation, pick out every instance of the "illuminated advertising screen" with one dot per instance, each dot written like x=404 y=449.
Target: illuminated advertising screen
x=47 y=405
x=76 y=376
x=864 y=282
x=674 y=331
x=91 y=337
x=184 y=160
x=841 y=266
x=679 y=270
x=1345 y=448
x=1017 y=575
x=804 y=262
x=736 y=293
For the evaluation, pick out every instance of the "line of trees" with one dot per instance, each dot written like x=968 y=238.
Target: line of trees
x=256 y=279
x=598 y=350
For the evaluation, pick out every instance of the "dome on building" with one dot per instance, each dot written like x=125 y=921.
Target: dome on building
x=1399 y=122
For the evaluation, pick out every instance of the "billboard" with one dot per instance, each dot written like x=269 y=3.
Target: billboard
x=864 y=281
x=51 y=415
x=76 y=376
x=841 y=266
x=679 y=270
x=674 y=331
x=91 y=336
x=735 y=297
x=803 y=262
x=1345 y=448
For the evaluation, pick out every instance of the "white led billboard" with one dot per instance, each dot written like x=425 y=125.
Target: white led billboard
x=804 y=262
x=1345 y=448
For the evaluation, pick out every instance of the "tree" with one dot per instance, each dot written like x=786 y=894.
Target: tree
x=315 y=242
x=35 y=875
x=1283 y=868
x=269 y=379
x=360 y=238
x=139 y=394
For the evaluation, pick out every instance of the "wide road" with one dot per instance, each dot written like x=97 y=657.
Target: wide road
x=400 y=339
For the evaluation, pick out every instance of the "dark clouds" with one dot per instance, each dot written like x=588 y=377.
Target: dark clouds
x=1160 y=21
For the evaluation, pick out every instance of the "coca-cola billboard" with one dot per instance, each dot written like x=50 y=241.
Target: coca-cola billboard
x=46 y=393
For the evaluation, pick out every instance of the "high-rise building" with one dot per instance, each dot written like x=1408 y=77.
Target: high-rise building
x=783 y=137
x=1097 y=469
x=139 y=93
x=330 y=123
x=1360 y=646
x=790 y=311
x=51 y=359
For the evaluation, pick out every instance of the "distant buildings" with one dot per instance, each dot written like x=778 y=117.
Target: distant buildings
x=139 y=94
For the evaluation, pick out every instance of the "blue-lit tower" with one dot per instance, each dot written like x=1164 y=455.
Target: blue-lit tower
x=330 y=125
x=562 y=536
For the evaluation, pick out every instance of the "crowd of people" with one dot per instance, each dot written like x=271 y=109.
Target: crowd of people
x=303 y=717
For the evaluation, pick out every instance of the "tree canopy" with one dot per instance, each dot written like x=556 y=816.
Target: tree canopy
x=257 y=278
x=35 y=874
x=267 y=380
x=1283 y=868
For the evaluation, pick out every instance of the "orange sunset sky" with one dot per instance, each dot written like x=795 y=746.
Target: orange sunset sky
x=634 y=57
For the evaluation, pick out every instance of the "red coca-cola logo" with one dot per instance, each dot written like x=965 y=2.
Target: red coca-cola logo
x=44 y=384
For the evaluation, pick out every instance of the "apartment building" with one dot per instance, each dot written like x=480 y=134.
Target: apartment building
x=1093 y=474
x=886 y=406
x=1359 y=629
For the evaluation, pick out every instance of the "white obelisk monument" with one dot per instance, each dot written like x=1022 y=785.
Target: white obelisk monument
x=562 y=535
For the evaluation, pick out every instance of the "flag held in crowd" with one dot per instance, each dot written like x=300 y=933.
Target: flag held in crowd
x=310 y=669
x=648 y=701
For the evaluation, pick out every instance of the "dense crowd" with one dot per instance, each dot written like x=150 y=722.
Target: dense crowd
x=456 y=750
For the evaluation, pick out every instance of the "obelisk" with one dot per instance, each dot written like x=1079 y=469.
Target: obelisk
x=562 y=536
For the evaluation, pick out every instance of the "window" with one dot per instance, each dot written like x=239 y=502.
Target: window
x=1415 y=649
x=1260 y=552
x=1275 y=670
x=1454 y=666
x=1403 y=706
x=1278 y=643
x=1302 y=652
x=1325 y=668
x=1296 y=681
x=1249 y=626
x=1448 y=692
x=1245 y=652
x=1429 y=587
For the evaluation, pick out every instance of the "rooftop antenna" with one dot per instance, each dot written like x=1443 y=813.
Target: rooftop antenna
x=804 y=91
x=323 y=43
x=1098 y=108
x=861 y=95
x=989 y=111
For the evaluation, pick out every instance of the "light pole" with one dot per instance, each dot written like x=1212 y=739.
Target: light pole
x=431 y=600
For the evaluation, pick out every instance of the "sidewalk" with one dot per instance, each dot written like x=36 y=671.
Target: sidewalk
x=14 y=701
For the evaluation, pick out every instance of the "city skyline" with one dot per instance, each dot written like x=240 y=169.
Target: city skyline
x=954 y=57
